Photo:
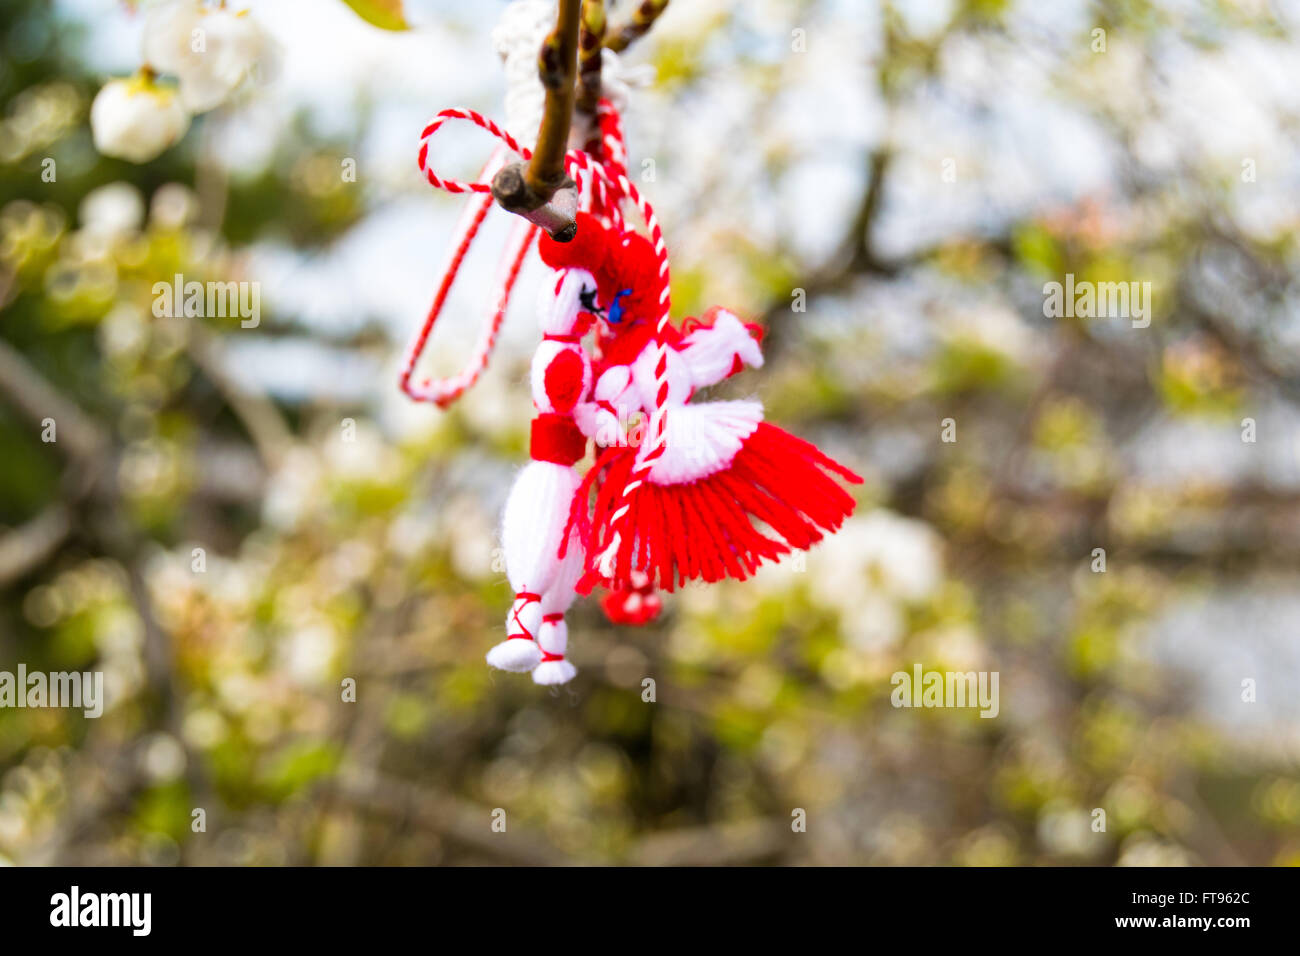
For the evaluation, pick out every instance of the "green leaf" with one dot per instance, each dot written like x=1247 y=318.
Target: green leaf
x=385 y=14
x=297 y=765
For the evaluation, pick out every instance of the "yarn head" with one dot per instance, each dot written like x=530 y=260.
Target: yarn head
x=588 y=249
x=625 y=270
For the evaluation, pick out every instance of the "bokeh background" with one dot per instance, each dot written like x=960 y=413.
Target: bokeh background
x=919 y=170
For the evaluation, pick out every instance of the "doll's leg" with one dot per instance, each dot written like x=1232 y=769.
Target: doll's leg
x=553 y=638
x=519 y=651
x=536 y=514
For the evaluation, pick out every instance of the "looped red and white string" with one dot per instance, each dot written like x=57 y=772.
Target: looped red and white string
x=479 y=185
x=444 y=391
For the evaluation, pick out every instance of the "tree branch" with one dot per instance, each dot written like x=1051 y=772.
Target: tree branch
x=647 y=12
x=443 y=813
x=33 y=543
x=725 y=844
x=557 y=68
x=29 y=392
x=591 y=40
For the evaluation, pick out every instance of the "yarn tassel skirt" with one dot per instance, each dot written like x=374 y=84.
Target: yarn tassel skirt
x=706 y=529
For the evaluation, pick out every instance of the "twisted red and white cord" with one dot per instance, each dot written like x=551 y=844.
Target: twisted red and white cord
x=614 y=160
x=444 y=391
x=606 y=563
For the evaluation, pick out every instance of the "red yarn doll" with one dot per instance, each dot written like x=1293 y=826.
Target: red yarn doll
x=678 y=489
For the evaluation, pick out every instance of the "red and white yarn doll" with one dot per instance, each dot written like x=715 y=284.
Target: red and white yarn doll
x=675 y=486
x=679 y=501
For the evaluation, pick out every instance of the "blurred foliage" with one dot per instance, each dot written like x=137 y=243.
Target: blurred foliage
x=234 y=564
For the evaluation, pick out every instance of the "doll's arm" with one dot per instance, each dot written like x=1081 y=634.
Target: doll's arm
x=606 y=417
x=719 y=349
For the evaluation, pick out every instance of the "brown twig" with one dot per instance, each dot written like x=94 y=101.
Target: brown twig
x=647 y=12
x=32 y=544
x=591 y=39
x=854 y=257
x=557 y=67
x=27 y=390
x=725 y=844
x=529 y=190
x=443 y=813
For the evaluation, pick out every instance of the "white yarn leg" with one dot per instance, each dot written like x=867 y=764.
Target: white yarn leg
x=553 y=638
x=519 y=651
x=535 y=517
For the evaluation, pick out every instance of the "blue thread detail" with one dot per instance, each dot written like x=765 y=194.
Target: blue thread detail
x=616 y=307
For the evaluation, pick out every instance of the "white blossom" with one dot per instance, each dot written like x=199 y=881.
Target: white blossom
x=112 y=211
x=516 y=38
x=898 y=556
x=210 y=50
x=136 y=119
x=173 y=206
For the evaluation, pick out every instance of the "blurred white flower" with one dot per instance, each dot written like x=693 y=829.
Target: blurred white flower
x=516 y=38
x=306 y=653
x=1144 y=849
x=898 y=555
x=112 y=211
x=120 y=633
x=358 y=451
x=472 y=539
x=163 y=757
x=292 y=489
x=871 y=621
x=992 y=326
x=958 y=646
x=135 y=119
x=173 y=206
x=1066 y=831
x=204 y=728
x=211 y=50
x=13 y=827
x=412 y=532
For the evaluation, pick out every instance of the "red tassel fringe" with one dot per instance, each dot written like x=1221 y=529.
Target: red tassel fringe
x=704 y=529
